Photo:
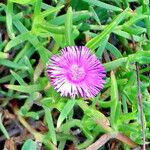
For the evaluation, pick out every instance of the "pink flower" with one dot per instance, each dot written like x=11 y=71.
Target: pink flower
x=76 y=72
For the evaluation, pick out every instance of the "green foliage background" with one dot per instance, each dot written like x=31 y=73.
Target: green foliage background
x=118 y=32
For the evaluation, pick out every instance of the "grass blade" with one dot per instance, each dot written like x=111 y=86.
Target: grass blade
x=69 y=28
x=94 y=43
x=29 y=145
x=3 y=55
x=50 y=123
x=66 y=110
x=25 y=89
x=113 y=50
x=2 y=128
x=9 y=13
x=101 y=48
x=18 y=78
x=103 y=5
x=11 y=64
x=17 y=40
x=51 y=11
x=95 y=15
x=114 y=99
x=114 y=64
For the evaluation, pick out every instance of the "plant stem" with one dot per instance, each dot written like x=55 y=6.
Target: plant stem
x=106 y=137
x=139 y=96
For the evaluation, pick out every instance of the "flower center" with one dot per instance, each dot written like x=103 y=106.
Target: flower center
x=77 y=73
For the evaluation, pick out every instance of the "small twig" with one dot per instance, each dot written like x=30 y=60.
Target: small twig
x=100 y=142
x=139 y=96
x=126 y=140
x=106 y=137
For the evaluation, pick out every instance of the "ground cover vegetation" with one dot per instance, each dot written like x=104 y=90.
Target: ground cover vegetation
x=33 y=115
